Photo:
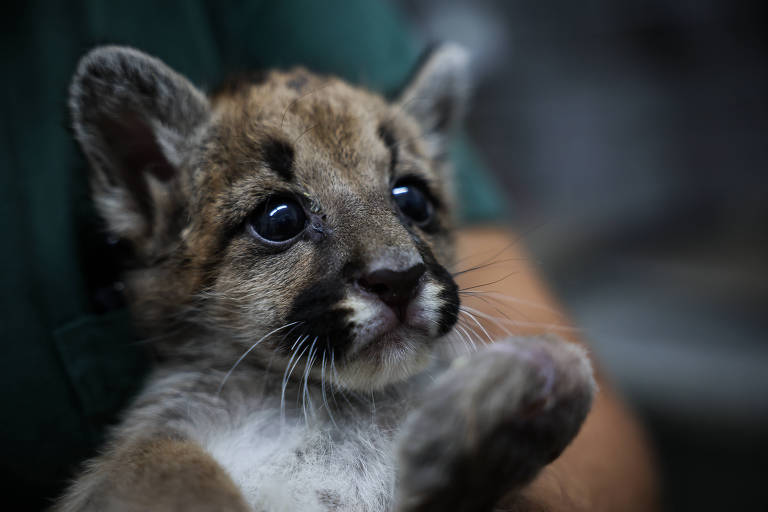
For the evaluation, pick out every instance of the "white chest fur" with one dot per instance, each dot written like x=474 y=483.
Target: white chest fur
x=287 y=465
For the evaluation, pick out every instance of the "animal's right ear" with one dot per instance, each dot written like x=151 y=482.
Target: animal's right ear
x=135 y=119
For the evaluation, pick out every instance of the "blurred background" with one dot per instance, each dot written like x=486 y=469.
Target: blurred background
x=632 y=141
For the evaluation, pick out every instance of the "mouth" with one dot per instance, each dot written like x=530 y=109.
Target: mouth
x=390 y=356
x=389 y=330
x=397 y=339
x=385 y=346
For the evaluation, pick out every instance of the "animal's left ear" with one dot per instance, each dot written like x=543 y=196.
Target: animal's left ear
x=437 y=94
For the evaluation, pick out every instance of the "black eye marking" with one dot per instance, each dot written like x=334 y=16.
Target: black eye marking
x=279 y=219
x=298 y=82
x=386 y=135
x=278 y=155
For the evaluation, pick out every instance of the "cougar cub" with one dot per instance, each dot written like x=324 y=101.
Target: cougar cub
x=292 y=243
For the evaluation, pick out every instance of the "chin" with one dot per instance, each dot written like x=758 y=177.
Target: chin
x=392 y=358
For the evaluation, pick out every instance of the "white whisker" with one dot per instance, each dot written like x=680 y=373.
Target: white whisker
x=466 y=338
x=288 y=371
x=500 y=321
x=503 y=297
x=322 y=390
x=305 y=393
x=245 y=354
x=464 y=310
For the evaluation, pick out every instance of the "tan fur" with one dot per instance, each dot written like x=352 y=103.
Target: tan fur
x=181 y=469
x=164 y=475
x=253 y=334
x=340 y=162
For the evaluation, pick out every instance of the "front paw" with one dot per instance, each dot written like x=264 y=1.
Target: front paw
x=161 y=475
x=491 y=422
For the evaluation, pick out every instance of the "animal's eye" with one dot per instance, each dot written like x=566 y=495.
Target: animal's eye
x=278 y=219
x=413 y=202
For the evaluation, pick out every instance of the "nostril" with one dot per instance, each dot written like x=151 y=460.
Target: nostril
x=375 y=283
x=378 y=289
x=395 y=288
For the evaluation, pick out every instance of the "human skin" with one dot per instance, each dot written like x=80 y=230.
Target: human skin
x=609 y=465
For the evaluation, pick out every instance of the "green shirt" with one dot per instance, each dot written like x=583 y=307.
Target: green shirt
x=67 y=369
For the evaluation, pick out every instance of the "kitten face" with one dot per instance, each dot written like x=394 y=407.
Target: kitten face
x=298 y=212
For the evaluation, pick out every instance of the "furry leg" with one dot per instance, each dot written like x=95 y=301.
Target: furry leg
x=491 y=422
x=162 y=475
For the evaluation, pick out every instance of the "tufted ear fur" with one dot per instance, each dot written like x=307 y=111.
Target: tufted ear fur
x=437 y=94
x=135 y=120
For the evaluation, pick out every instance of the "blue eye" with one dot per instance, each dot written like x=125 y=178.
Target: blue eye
x=412 y=201
x=279 y=220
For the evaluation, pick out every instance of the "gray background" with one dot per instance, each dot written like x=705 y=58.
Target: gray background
x=632 y=141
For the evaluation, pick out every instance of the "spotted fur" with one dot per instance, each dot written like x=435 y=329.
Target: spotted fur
x=283 y=381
